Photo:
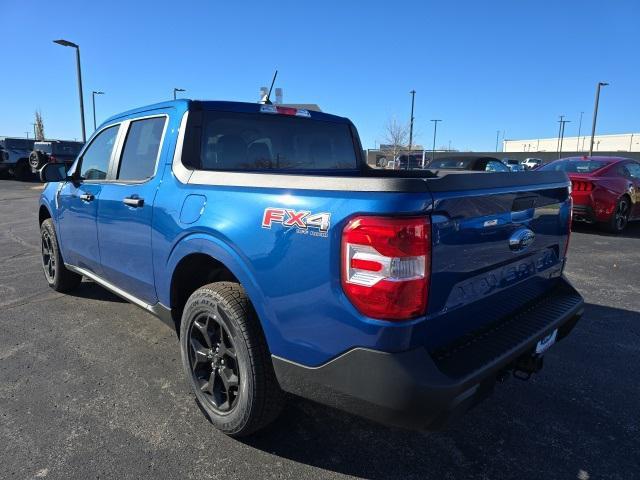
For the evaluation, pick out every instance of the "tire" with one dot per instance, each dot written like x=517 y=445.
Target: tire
x=620 y=217
x=58 y=276
x=36 y=160
x=22 y=171
x=221 y=339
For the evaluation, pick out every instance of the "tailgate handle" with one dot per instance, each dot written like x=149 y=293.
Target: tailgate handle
x=524 y=203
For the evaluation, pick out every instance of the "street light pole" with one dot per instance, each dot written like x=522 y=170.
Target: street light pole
x=595 y=114
x=559 y=132
x=66 y=43
x=177 y=90
x=562 y=124
x=93 y=99
x=413 y=98
x=497 y=138
x=435 y=129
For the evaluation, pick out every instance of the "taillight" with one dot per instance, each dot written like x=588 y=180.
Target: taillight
x=581 y=186
x=570 y=221
x=386 y=266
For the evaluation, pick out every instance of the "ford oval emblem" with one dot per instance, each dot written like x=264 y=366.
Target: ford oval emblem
x=521 y=239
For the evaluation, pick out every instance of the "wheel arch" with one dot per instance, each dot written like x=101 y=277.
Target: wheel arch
x=200 y=259
x=43 y=214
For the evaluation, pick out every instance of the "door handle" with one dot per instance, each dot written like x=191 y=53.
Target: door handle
x=134 y=202
x=87 y=197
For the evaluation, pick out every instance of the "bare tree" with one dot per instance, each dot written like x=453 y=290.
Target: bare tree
x=396 y=139
x=39 y=127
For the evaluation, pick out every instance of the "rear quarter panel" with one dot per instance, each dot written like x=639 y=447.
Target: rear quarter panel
x=291 y=276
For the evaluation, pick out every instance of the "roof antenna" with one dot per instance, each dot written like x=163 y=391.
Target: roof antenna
x=266 y=100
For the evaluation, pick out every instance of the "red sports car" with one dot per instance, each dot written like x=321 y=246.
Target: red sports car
x=605 y=190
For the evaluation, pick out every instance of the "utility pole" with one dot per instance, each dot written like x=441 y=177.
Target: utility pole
x=497 y=138
x=435 y=129
x=595 y=114
x=413 y=98
x=579 y=130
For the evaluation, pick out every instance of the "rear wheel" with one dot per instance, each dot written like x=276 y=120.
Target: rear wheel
x=226 y=359
x=36 y=160
x=58 y=276
x=22 y=171
x=620 y=217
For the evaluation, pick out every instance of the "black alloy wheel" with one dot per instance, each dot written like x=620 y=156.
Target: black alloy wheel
x=48 y=257
x=213 y=360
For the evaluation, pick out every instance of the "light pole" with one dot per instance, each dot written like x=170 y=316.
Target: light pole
x=562 y=124
x=497 y=138
x=93 y=99
x=559 y=132
x=413 y=98
x=595 y=114
x=435 y=129
x=579 y=130
x=177 y=90
x=66 y=43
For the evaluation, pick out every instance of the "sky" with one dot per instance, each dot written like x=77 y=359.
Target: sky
x=479 y=65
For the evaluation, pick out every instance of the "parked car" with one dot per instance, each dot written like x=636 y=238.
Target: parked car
x=53 y=151
x=480 y=164
x=531 y=163
x=289 y=265
x=605 y=190
x=513 y=164
x=14 y=156
x=405 y=162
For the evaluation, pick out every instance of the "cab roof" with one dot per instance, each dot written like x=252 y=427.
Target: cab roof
x=183 y=104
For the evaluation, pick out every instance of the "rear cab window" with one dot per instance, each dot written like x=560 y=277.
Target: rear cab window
x=268 y=142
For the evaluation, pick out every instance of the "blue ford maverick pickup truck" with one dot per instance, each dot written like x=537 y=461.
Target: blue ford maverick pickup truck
x=286 y=264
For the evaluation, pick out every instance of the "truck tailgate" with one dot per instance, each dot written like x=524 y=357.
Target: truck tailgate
x=494 y=249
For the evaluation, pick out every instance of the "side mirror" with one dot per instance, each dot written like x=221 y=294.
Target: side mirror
x=53 y=172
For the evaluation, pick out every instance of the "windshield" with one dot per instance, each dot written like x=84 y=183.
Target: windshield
x=576 y=166
x=250 y=142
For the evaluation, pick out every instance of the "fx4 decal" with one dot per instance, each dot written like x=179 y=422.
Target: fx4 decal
x=316 y=224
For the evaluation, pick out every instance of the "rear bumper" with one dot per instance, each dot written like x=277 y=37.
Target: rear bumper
x=421 y=389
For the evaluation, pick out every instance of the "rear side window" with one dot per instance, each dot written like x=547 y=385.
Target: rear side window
x=267 y=142
x=95 y=161
x=141 y=147
x=576 y=166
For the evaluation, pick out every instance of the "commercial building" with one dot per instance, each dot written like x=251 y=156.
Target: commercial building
x=624 y=142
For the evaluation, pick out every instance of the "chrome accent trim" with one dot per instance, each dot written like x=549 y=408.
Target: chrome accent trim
x=157 y=309
x=182 y=173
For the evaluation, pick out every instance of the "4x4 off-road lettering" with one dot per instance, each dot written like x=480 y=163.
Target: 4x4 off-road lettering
x=302 y=219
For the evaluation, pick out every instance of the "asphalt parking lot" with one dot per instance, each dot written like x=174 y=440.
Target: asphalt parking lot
x=92 y=387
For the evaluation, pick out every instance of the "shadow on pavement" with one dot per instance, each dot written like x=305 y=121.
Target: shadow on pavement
x=632 y=230
x=93 y=291
x=533 y=430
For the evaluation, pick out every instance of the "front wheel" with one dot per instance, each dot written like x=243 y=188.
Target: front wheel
x=225 y=356
x=620 y=217
x=58 y=276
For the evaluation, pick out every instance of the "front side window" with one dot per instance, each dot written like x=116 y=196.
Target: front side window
x=95 y=161
x=141 y=147
x=266 y=142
